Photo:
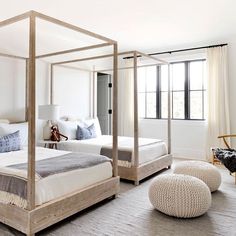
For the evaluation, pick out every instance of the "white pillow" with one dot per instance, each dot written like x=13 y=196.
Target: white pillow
x=6 y=129
x=69 y=128
x=96 y=123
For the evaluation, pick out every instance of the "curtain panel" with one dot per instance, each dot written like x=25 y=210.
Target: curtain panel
x=218 y=97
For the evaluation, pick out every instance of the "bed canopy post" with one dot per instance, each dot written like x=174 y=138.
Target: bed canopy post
x=115 y=111
x=136 y=134
x=26 y=88
x=94 y=101
x=51 y=84
x=169 y=112
x=31 y=117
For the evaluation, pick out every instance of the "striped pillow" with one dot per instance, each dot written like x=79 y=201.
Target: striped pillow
x=10 y=142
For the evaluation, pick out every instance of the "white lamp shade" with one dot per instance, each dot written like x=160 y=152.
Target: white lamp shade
x=49 y=112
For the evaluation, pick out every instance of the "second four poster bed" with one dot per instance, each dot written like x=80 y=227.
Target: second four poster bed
x=138 y=157
x=40 y=187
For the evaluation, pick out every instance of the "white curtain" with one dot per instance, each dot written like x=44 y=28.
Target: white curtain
x=126 y=100
x=218 y=96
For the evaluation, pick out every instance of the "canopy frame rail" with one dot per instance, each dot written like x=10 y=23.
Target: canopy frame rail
x=9 y=213
x=136 y=55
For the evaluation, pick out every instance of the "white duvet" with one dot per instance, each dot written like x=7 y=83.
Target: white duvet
x=149 y=149
x=57 y=185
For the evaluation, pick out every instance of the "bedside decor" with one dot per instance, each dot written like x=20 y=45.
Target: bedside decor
x=49 y=113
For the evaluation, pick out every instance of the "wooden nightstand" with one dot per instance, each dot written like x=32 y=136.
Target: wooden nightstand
x=49 y=144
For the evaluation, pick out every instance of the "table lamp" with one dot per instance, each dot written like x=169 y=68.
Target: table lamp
x=49 y=113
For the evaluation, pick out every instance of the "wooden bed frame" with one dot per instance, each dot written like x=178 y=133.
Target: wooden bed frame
x=34 y=219
x=146 y=169
x=136 y=172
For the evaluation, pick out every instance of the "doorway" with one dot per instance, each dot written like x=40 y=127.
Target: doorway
x=104 y=106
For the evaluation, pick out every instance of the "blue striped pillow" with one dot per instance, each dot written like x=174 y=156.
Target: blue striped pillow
x=10 y=142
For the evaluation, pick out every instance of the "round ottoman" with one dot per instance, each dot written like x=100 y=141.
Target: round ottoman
x=208 y=173
x=180 y=195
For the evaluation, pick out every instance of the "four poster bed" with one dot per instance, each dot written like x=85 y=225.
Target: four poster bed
x=138 y=158
x=44 y=193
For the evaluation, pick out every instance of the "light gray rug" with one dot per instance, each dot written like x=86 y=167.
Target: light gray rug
x=132 y=214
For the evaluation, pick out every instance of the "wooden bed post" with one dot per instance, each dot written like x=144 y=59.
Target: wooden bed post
x=115 y=111
x=31 y=117
x=51 y=84
x=169 y=112
x=136 y=135
x=136 y=130
x=26 y=88
x=94 y=110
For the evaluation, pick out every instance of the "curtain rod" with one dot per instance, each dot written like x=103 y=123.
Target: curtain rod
x=181 y=50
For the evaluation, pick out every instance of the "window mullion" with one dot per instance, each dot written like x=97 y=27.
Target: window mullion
x=186 y=92
x=158 y=92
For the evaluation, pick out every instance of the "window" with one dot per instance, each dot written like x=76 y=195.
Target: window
x=188 y=90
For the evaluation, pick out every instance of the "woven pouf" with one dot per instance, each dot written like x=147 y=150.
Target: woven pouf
x=180 y=195
x=202 y=170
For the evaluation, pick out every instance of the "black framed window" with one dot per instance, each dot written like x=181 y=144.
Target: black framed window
x=188 y=90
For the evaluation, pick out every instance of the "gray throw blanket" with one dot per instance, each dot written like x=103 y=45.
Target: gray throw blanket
x=17 y=185
x=122 y=154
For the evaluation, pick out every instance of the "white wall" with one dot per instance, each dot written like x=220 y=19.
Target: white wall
x=12 y=89
x=72 y=92
x=188 y=137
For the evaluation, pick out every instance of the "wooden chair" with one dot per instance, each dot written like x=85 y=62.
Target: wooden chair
x=224 y=137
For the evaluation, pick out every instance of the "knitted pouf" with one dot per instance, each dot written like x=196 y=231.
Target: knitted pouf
x=202 y=170
x=180 y=195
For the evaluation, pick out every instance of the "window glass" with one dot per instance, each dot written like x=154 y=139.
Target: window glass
x=196 y=75
x=178 y=76
x=188 y=74
x=178 y=105
x=151 y=105
x=196 y=105
x=164 y=78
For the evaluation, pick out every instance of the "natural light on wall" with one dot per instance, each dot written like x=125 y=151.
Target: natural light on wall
x=188 y=90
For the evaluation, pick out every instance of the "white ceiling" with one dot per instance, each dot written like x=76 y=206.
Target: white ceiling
x=151 y=25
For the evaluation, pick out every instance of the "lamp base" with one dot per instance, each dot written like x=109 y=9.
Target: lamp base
x=47 y=130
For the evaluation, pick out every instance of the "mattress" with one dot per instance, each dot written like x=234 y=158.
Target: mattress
x=149 y=149
x=57 y=185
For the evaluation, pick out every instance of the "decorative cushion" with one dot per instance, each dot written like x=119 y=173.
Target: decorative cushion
x=202 y=170
x=85 y=132
x=10 y=142
x=96 y=123
x=69 y=128
x=6 y=129
x=180 y=195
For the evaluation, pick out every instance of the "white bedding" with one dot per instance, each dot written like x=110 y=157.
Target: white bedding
x=57 y=185
x=149 y=149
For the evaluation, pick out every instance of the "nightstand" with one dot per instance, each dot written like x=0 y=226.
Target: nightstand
x=49 y=144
